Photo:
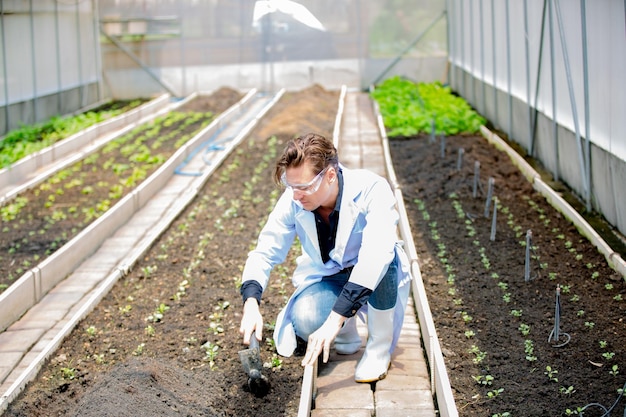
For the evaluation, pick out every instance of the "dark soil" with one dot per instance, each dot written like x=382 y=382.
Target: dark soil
x=476 y=284
x=123 y=361
x=120 y=361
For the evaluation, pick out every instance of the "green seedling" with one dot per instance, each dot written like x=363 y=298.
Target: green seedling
x=516 y=313
x=479 y=355
x=139 y=350
x=466 y=317
x=567 y=391
x=126 y=309
x=211 y=351
x=91 y=331
x=68 y=373
x=529 y=349
x=551 y=373
x=157 y=316
x=150 y=331
x=614 y=370
x=275 y=363
x=494 y=393
x=524 y=329
x=483 y=379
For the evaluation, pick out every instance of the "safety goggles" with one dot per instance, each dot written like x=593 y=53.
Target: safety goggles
x=308 y=188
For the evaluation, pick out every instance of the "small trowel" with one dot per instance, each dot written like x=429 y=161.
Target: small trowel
x=250 y=358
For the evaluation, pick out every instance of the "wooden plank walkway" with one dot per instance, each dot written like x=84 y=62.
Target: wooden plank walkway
x=406 y=391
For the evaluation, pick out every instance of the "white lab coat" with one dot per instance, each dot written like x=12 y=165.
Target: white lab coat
x=366 y=239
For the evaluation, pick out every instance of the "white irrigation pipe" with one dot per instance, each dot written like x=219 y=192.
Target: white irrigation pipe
x=613 y=258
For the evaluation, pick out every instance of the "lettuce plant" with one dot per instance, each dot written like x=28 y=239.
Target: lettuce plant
x=409 y=108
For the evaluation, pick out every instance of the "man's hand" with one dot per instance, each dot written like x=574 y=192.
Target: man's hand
x=321 y=339
x=251 y=320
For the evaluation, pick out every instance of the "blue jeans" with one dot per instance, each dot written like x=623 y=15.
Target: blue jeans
x=313 y=305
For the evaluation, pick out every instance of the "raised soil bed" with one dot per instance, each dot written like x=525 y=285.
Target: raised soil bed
x=494 y=317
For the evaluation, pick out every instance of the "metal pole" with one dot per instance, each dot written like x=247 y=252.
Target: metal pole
x=553 y=77
x=58 y=54
x=527 y=52
x=462 y=48
x=482 y=56
x=81 y=81
x=451 y=48
x=508 y=70
x=408 y=48
x=493 y=53
x=183 y=67
x=583 y=18
x=572 y=99
x=33 y=62
x=97 y=48
x=4 y=70
x=471 y=38
x=539 y=61
x=137 y=61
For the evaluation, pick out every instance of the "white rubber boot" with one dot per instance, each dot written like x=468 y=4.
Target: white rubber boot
x=348 y=340
x=376 y=359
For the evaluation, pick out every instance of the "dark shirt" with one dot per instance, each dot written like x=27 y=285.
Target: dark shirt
x=327 y=232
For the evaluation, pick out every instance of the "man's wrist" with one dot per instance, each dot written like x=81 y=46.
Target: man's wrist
x=336 y=318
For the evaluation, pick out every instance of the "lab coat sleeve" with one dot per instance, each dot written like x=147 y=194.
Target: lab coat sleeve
x=273 y=243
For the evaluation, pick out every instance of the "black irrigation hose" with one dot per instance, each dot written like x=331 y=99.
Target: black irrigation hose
x=607 y=413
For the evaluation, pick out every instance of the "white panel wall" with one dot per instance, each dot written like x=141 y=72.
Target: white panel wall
x=553 y=72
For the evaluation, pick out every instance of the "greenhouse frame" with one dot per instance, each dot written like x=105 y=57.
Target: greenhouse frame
x=547 y=74
x=543 y=82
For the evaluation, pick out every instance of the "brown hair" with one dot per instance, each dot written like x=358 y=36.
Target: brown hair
x=313 y=148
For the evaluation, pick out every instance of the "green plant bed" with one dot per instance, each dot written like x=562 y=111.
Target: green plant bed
x=410 y=108
x=29 y=139
x=39 y=221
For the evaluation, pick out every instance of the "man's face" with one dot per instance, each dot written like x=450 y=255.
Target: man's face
x=310 y=188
